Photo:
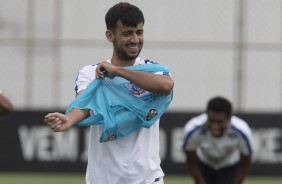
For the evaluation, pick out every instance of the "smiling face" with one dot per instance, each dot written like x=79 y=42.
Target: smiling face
x=217 y=123
x=127 y=41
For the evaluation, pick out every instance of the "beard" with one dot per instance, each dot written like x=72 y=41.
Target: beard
x=123 y=55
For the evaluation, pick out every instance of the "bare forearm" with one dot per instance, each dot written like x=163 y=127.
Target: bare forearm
x=239 y=178
x=76 y=115
x=5 y=105
x=242 y=170
x=150 y=82
x=193 y=165
x=196 y=173
x=240 y=175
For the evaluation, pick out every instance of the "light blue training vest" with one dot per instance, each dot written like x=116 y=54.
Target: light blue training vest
x=113 y=105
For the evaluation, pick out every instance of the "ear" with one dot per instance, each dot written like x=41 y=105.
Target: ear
x=109 y=35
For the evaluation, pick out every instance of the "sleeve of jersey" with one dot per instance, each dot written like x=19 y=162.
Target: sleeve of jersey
x=150 y=62
x=246 y=139
x=85 y=76
x=163 y=73
x=246 y=145
x=190 y=140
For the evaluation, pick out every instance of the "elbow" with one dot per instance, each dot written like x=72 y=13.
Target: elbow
x=167 y=88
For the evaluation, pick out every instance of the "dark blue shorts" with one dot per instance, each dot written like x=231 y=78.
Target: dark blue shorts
x=220 y=176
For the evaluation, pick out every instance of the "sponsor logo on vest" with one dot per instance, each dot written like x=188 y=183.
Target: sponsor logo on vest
x=151 y=114
x=111 y=138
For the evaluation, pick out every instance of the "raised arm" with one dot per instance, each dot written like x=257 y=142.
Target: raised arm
x=150 y=82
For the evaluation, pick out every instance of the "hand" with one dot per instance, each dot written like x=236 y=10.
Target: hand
x=57 y=122
x=106 y=67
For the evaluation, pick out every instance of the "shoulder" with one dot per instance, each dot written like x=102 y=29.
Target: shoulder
x=91 y=68
x=240 y=127
x=242 y=130
x=193 y=131
x=84 y=77
x=196 y=123
x=239 y=124
x=163 y=71
x=140 y=61
x=88 y=68
x=87 y=71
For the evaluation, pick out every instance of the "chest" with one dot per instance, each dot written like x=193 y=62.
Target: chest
x=219 y=146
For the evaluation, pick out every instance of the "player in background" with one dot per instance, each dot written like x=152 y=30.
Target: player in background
x=133 y=159
x=218 y=145
x=5 y=104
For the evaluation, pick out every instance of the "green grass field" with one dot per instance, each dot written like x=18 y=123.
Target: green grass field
x=70 y=178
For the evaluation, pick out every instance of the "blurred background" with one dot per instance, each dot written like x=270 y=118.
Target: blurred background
x=220 y=47
x=231 y=48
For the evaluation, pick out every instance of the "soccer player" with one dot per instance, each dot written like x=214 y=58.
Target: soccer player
x=218 y=145
x=133 y=159
x=5 y=104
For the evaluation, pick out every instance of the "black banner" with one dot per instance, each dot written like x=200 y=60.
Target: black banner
x=27 y=144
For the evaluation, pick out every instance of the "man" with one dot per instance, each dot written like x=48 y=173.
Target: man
x=5 y=104
x=218 y=145
x=133 y=159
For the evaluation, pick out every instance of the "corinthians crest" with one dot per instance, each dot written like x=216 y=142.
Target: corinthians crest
x=136 y=90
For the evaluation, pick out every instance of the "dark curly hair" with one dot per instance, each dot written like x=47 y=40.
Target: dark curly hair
x=220 y=104
x=128 y=14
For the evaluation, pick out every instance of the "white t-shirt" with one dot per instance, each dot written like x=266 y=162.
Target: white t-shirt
x=218 y=152
x=133 y=159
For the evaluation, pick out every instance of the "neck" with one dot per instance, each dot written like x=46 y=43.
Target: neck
x=122 y=63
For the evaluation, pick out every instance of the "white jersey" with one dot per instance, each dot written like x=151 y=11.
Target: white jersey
x=218 y=152
x=133 y=159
